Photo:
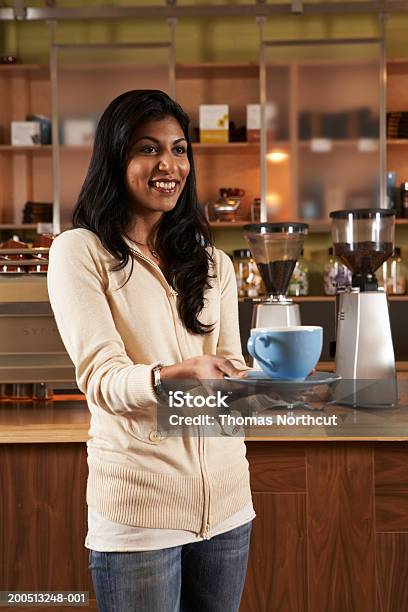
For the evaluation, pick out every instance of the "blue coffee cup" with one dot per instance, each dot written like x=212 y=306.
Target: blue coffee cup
x=286 y=353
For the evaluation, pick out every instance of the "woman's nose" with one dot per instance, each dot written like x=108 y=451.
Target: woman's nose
x=166 y=162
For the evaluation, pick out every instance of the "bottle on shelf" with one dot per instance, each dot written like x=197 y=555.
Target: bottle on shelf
x=394 y=194
x=404 y=199
x=299 y=283
x=335 y=275
x=392 y=274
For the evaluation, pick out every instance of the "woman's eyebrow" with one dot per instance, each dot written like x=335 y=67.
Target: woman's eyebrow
x=156 y=140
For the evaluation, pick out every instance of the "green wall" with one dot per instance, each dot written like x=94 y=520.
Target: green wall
x=199 y=39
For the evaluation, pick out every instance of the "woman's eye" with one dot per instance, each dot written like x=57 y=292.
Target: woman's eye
x=149 y=149
x=180 y=150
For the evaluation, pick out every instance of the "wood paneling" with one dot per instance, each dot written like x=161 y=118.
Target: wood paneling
x=392 y=572
x=391 y=487
x=276 y=579
x=391 y=511
x=391 y=467
x=43 y=524
x=341 y=546
x=277 y=467
x=314 y=544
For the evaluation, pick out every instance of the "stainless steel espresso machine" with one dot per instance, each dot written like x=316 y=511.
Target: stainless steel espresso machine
x=363 y=240
x=33 y=359
x=276 y=248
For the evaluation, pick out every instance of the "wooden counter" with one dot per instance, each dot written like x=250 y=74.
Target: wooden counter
x=68 y=421
x=331 y=532
x=67 y=418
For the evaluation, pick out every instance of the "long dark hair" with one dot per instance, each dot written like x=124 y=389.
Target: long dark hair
x=183 y=235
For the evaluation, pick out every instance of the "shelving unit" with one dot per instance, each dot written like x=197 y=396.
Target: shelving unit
x=26 y=89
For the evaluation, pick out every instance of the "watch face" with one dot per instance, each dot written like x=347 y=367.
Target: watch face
x=156 y=378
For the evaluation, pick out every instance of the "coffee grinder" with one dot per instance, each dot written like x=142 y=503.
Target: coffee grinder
x=275 y=248
x=363 y=239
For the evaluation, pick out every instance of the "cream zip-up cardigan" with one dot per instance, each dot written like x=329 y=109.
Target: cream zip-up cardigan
x=115 y=336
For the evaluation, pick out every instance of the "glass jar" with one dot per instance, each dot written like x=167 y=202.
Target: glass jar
x=249 y=281
x=392 y=274
x=335 y=275
x=241 y=259
x=256 y=210
x=253 y=284
x=299 y=282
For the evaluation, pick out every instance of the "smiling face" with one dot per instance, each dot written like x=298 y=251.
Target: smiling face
x=158 y=167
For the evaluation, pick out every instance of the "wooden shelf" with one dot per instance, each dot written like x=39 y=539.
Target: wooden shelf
x=249 y=147
x=313 y=298
x=328 y=298
x=319 y=225
x=398 y=142
x=106 y=66
x=343 y=143
x=314 y=226
x=76 y=148
x=228 y=224
x=231 y=146
x=331 y=298
x=18 y=226
x=198 y=147
x=194 y=69
x=13 y=70
x=25 y=149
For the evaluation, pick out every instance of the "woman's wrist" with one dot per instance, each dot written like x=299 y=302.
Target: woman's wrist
x=168 y=372
x=178 y=370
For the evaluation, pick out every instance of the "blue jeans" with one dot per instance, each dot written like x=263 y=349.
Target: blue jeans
x=207 y=576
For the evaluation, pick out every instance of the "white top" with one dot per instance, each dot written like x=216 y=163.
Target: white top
x=106 y=536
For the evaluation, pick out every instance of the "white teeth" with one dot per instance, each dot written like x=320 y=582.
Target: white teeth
x=168 y=185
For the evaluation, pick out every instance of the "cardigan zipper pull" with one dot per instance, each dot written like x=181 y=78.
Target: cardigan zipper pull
x=206 y=532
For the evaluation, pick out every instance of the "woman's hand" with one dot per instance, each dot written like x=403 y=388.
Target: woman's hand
x=204 y=367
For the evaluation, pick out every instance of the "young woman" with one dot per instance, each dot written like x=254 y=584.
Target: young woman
x=140 y=296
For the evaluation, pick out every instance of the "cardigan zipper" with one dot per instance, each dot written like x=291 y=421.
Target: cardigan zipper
x=156 y=267
x=205 y=524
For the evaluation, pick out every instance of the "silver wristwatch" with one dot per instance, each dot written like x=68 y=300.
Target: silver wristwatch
x=157 y=383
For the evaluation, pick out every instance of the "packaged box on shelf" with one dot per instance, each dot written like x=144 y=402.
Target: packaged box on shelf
x=78 y=132
x=25 y=133
x=45 y=127
x=214 y=123
x=253 y=122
